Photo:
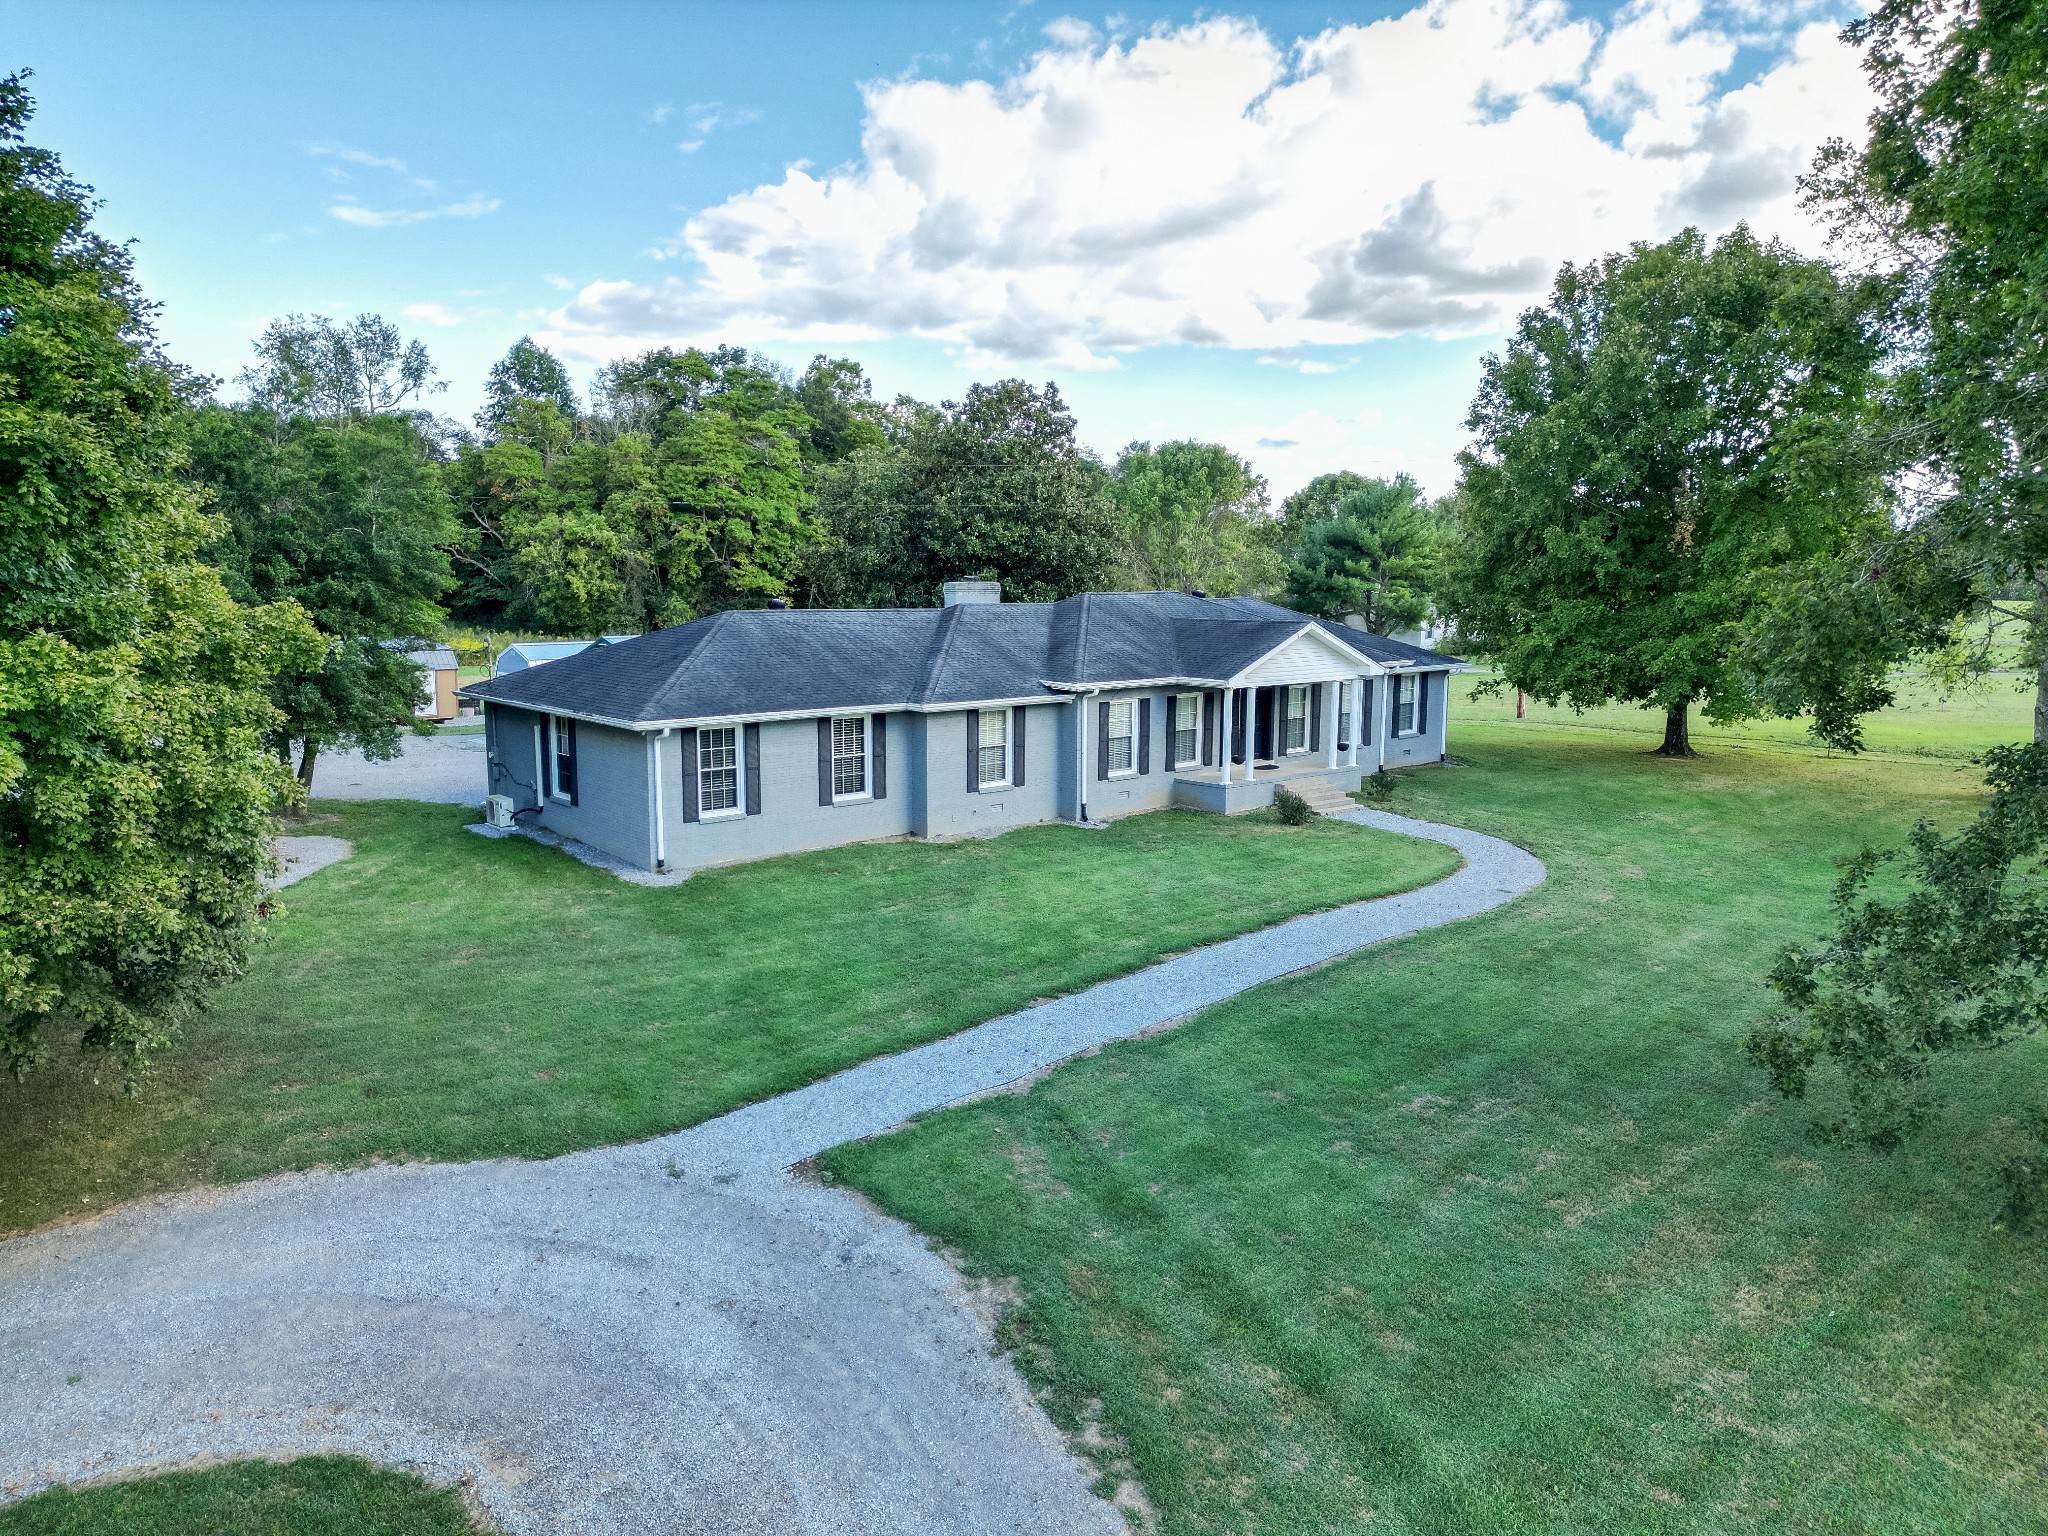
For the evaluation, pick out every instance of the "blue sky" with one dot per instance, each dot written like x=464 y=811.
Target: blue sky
x=1294 y=229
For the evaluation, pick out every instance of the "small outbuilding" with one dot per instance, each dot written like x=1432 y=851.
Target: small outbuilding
x=522 y=654
x=440 y=676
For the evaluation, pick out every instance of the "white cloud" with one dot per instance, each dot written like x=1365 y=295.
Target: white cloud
x=349 y=211
x=659 y=115
x=706 y=117
x=1422 y=174
x=431 y=314
x=363 y=157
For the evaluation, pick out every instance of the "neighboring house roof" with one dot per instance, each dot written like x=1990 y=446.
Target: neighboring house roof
x=532 y=653
x=799 y=661
x=435 y=658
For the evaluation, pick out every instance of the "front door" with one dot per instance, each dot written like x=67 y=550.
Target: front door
x=1262 y=718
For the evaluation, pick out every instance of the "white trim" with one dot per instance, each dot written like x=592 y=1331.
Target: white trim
x=1394 y=733
x=1287 y=692
x=1347 y=654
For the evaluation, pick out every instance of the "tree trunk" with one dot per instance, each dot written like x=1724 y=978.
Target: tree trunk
x=2041 y=666
x=307 y=758
x=1677 y=733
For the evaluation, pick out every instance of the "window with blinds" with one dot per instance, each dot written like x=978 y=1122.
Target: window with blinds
x=1119 y=748
x=995 y=746
x=718 y=769
x=1295 y=736
x=1187 y=727
x=849 y=757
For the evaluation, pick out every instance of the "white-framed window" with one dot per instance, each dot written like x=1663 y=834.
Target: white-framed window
x=1344 y=695
x=1294 y=723
x=1404 y=703
x=1187 y=728
x=561 y=758
x=1120 y=746
x=850 y=757
x=718 y=771
x=994 y=752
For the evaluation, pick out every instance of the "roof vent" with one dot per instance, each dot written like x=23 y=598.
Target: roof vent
x=1198 y=592
x=778 y=602
x=954 y=593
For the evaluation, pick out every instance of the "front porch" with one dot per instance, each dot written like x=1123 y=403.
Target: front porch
x=1201 y=790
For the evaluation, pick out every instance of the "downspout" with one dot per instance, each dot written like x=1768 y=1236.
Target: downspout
x=1081 y=699
x=660 y=829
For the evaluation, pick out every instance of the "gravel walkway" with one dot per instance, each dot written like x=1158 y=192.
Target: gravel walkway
x=302 y=856
x=667 y=1337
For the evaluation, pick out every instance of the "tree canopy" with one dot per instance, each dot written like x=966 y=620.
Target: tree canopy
x=993 y=487
x=1191 y=516
x=135 y=789
x=526 y=372
x=1674 y=423
x=1946 y=203
x=348 y=519
x=314 y=366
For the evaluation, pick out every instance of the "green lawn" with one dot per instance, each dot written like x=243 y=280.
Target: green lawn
x=1924 y=723
x=316 y=1496
x=1495 y=1230
x=445 y=996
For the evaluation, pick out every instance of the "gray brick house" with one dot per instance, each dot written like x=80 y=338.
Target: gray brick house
x=767 y=731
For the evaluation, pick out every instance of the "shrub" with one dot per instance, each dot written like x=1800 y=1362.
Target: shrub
x=1379 y=784
x=1292 y=809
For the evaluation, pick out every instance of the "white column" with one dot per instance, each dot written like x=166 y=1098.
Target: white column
x=1330 y=724
x=1357 y=718
x=1223 y=738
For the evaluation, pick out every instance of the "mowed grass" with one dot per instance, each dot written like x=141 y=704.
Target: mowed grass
x=315 y=1496
x=1927 y=721
x=1495 y=1230
x=445 y=996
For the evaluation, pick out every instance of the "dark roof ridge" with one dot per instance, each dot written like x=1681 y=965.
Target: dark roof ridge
x=935 y=658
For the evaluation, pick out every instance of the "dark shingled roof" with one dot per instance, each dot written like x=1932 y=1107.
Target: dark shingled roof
x=764 y=661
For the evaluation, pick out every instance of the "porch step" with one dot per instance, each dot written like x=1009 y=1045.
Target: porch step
x=1323 y=797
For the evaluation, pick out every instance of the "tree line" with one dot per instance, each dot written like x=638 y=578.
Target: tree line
x=1703 y=475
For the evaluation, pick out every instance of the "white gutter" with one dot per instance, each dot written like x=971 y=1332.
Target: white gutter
x=1081 y=698
x=654 y=771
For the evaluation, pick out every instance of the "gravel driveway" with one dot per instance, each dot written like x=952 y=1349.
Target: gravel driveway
x=673 y=1336
x=446 y=767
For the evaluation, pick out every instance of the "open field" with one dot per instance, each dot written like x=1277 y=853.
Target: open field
x=316 y=1496
x=1495 y=1230
x=1924 y=723
x=444 y=996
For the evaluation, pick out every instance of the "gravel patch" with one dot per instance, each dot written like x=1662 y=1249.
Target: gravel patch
x=583 y=853
x=674 y=1336
x=301 y=856
x=446 y=769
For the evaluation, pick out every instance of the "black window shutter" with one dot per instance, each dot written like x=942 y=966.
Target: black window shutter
x=824 y=759
x=1102 y=741
x=974 y=751
x=569 y=759
x=878 y=750
x=753 y=770
x=1017 y=746
x=1167 y=750
x=1240 y=724
x=1144 y=736
x=1315 y=717
x=1422 y=704
x=1209 y=728
x=686 y=743
x=1365 y=700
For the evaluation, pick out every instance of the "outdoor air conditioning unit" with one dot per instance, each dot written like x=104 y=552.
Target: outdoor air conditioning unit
x=498 y=812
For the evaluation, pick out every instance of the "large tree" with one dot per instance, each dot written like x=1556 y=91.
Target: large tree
x=314 y=366
x=136 y=796
x=994 y=487
x=1379 y=555
x=1676 y=422
x=347 y=518
x=1948 y=201
x=1190 y=515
